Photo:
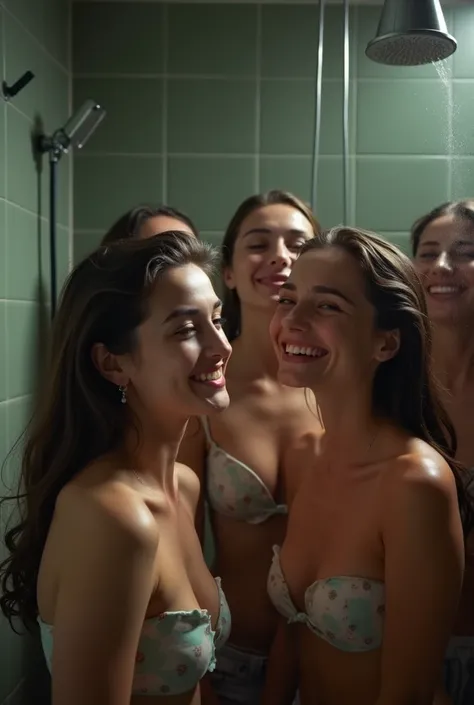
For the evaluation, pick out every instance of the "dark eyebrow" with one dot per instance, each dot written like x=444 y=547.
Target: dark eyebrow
x=189 y=311
x=268 y=231
x=429 y=243
x=456 y=243
x=321 y=289
x=464 y=243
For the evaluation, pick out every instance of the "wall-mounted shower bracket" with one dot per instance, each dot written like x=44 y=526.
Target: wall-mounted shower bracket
x=10 y=92
x=74 y=134
x=56 y=145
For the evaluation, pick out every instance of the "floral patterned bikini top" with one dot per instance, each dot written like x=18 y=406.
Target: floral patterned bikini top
x=176 y=649
x=345 y=611
x=234 y=489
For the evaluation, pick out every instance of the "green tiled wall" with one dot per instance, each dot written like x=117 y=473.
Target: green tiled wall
x=209 y=103
x=34 y=35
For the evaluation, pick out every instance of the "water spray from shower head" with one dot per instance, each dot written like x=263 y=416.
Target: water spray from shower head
x=411 y=33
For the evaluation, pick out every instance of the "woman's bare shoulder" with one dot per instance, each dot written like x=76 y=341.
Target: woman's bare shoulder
x=420 y=481
x=110 y=505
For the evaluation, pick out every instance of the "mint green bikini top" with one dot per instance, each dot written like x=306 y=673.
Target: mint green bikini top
x=347 y=612
x=176 y=649
x=235 y=490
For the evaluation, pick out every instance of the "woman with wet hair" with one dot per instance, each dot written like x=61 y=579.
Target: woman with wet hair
x=147 y=220
x=443 y=254
x=243 y=458
x=104 y=556
x=368 y=577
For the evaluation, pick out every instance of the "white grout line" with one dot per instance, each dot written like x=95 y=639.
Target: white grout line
x=249 y=77
x=10 y=104
x=71 y=159
x=397 y=157
x=156 y=76
x=353 y=88
x=164 y=110
x=43 y=218
x=3 y=57
x=258 y=96
x=5 y=220
x=35 y=40
x=451 y=145
x=192 y=77
x=27 y=302
x=251 y=155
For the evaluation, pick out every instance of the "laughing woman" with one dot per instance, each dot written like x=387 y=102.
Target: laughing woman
x=106 y=557
x=244 y=459
x=443 y=251
x=369 y=575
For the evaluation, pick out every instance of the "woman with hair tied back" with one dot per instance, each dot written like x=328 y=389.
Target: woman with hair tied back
x=443 y=254
x=147 y=220
x=243 y=458
x=369 y=575
x=105 y=556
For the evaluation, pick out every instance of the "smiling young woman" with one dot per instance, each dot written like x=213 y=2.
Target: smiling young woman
x=105 y=557
x=369 y=575
x=244 y=459
x=443 y=254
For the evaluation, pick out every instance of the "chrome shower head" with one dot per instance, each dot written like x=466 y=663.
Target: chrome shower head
x=75 y=132
x=411 y=33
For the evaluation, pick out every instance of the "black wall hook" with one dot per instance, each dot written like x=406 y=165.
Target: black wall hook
x=11 y=91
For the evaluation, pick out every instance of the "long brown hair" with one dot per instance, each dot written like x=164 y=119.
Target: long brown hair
x=79 y=417
x=231 y=306
x=405 y=390
x=461 y=210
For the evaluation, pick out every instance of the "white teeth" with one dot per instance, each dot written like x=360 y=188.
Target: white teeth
x=297 y=350
x=443 y=289
x=208 y=377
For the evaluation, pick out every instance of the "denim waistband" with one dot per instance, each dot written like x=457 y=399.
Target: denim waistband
x=238 y=660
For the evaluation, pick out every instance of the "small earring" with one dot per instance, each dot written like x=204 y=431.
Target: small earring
x=123 y=392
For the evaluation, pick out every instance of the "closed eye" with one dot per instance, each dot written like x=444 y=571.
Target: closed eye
x=463 y=254
x=186 y=331
x=297 y=246
x=329 y=307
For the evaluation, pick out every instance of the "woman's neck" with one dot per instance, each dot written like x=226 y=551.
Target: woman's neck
x=350 y=428
x=152 y=453
x=453 y=355
x=253 y=349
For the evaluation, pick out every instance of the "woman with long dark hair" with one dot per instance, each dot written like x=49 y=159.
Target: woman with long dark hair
x=105 y=556
x=443 y=254
x=369 y=575
x=243 y=458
